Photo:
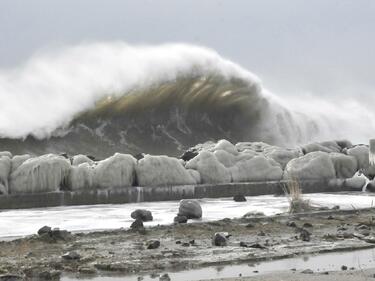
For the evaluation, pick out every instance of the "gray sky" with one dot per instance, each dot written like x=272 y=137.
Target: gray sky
x=326 y=47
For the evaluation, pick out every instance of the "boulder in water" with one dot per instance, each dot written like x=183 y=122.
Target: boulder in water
x=142 y=214
x=162 y=171
x=190 y=208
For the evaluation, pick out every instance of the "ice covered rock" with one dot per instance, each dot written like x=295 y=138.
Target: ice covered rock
x=41 y=174
x=257 y=168
x=5 y=169
x=226 y=146
x=361 y=153
x=327 y=146
x=80 y=159
x=190 y=208
x=6 y=153
x=210 y=168
x=163 y=171
x=312 y=166
x=281 y=155
x=17 y=160
x=81 y=177
x=358 y=182
x=345 y=165
x=371 y=186
x=115 y=171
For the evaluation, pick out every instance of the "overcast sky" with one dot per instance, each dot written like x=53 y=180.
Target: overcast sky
x=325 y=47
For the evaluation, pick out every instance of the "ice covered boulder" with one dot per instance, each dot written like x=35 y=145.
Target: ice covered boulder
x=312 y=166
x=345 y=165
x=80 y=159
x=282 y=155
x=5 y=168
x=361 y=153
x=6 y=153
x=17 y=160
x=257 y=168
x=358 y=182
x=81 y=177
x=210 y=168
x=115 y=171
x=163 y=171
x=41 y=174
x=226 y=146
x=327 y=146
x=190 y=208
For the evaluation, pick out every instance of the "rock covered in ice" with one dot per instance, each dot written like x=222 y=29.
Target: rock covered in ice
x=358 y=182
x=190 y=208
x=345 y=165
x=6 y=153
x=361 y=153
x=312 y=166
x=327 y=146
x=17 y=160
x=163 y=171
x=81 y=177
x=282 y=155
x=257 y=168
x=371 y=186
x=115 y=171
x=41 y=174
x=80 y=159
x=210 y=168
x=5 y=169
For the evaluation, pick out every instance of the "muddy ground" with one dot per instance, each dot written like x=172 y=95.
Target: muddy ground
x=186 y=246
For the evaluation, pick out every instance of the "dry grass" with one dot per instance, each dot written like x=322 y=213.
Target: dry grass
x=293 y=192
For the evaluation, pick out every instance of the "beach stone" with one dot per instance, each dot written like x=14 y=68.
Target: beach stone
x=153 y=244
x=190 y=208
x=165 y=277
x=137 y=225
x=307 y=271
x=305 y=235
x=220 y=239
x=71 y=256
x=142 y=214
x=45 y=229
x=239 y=198
x=180 y=219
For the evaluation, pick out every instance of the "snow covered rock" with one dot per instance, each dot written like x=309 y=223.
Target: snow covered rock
x=361 y=153
x=6 y=153
x=80 y=159
x=5 y=168
x=312 y=166
x=163 y=171
x=190 y=208
x=115 y=171
x=210 y=168
x=281 y=155
x=358 y=182
x=345 y=165
x=41 y=174
x=327 y=146
x=256 y=169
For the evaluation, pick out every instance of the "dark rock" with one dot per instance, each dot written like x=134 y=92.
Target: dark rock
x=250 y=225
x=239 y=198
x=291 y=224
x=11 y=277
x=330 y=217
x=220 y=239
x=178 y=242
x=304 y=235
x=370 y=186
x=336 y=207
x=153 y=244
x=307 y=224
x=192 y=242
x=180 y=219
x=71 y=256
x=55 y=235
x=190 y=208
x=188 y=155
x=243 y=244
x=139 y=156
x=307 y=271
x=87 y=270
x=185 y=244
x=142 y=214
x=256 y=246
x=137 y=225
x=165 y=277
x=45 y=229
x=344 y=267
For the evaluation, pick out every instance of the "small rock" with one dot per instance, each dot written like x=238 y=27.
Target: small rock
x=307 y=271
x=307 y=224
x=305 y=235
x=250 y=225
x=336 y=207
x=137 y=225
x=243 y=244
x=178 y=242
x=190 y=208
x=165 y=277
x=45 y=229
x=239 y=198
x=330 y=217
x=261 y=233
x=291 y=224
x=185 y=244
x=220 y=239
x=153 y=244
x=256 y=246
x=180 y=219
x=71 y=256
x=192 y=242
x=142 y=214
x=87 y=270
x=344 y=267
